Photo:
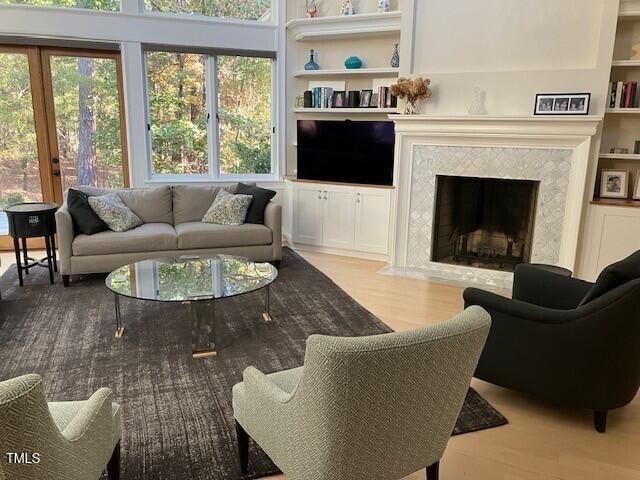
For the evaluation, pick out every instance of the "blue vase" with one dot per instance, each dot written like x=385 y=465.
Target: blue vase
x=353 y=63
x=395 y=58
x=311 y=64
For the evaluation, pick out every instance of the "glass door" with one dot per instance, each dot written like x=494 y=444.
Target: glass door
x=85 y=112
x=23 y=149
x=61 y=125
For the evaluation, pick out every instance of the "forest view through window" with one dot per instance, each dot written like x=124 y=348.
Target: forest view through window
x=110 y=5
x=189 y=110
x=239 y=9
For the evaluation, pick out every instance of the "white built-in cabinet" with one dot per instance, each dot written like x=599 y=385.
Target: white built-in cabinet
x=348 y=219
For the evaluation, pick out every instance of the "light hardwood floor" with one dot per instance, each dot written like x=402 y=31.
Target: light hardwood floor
x=541 y=442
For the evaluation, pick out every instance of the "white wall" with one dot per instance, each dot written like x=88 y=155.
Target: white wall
x=511 y=49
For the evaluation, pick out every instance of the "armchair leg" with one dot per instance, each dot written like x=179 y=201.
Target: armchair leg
x=433 y=471
x=113 y=467
x=600 y=420
x=65 y=280
x=243 y=447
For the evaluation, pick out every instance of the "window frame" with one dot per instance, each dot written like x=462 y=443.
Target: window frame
x=213 y=130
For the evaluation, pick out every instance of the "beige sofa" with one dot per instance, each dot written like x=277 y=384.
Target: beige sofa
x=172 y=224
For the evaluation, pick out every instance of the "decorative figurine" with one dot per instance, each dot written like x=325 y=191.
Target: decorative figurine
x=353 y=63
x=636 y=52
x=383 y=6
x=311 y=64
x=312 y=9
x=477 y=104
x=395 y=58
x=347 y=8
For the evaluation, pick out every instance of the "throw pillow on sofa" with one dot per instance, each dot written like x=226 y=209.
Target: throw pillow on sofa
x=85 y=220
x=228 y=209
x=112 y=210
x=261 y=197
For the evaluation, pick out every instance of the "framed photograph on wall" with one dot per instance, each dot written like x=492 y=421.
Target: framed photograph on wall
x=614 y=184
x=562 y=104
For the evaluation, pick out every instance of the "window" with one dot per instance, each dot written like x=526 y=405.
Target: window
x=239 y=9
x=178 y=113
x=225 y=132
x=110 y=5
x=244 y=110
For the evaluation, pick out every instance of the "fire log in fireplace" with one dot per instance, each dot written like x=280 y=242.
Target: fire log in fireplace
x=484 y=222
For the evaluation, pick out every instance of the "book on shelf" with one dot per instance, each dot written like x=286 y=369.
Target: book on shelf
x=385 y=99
x=328 y=97
x=624 y=94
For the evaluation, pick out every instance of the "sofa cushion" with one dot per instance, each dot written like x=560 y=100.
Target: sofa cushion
x=210 y=235
x=152 y=205
x=191 y=202
x=228 y=209
x=261 y=197
x=113 y=211
x=149 y=237
x=613 y=276
x=85 y=220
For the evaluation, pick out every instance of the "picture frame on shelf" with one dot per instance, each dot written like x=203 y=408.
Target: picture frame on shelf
x=562 y=104
x=338 y=99
x=636 y=188
x=365 y=98
x=614 y=183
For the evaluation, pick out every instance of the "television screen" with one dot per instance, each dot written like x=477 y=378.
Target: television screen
x=346 y=151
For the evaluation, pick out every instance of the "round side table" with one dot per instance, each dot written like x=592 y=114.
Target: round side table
x=30 y=220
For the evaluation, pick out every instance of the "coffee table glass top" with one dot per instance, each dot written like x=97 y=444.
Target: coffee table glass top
x=180 y=279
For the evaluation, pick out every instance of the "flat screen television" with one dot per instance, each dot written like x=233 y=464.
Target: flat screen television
x=346 y=151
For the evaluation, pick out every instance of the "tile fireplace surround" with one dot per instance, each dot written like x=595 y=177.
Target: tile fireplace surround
x=552 y=150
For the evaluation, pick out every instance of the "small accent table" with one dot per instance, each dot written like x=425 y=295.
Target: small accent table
x=30 y=220
x=196 y=282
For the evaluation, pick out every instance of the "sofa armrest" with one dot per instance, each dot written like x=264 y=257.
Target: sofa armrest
x=273 y=220
x=64 y=229
x=547 y=286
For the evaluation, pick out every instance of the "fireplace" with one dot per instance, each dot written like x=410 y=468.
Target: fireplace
x=484 y=222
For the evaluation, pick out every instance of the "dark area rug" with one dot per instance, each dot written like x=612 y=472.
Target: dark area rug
x=177 y=415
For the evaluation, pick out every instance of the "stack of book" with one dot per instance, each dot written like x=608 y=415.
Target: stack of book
x=623 y=94
x=385 y=99
x=321 y=97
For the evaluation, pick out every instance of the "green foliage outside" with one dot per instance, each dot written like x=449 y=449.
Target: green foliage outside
x=240 y=9
x=111 y=5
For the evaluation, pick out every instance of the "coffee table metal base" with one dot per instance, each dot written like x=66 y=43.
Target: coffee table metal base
x=202 y=314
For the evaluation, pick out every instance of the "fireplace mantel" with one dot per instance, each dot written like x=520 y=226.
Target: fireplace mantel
x=565 y=139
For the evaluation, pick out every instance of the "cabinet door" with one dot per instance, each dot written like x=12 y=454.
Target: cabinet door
x=307 y=215
x=373 y=207
x=339 y=215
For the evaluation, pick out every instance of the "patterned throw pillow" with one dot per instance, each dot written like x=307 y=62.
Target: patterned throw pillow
x=228 y=209
x=112 y=210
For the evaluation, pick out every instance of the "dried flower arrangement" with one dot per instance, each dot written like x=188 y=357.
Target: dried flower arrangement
x=413 y=90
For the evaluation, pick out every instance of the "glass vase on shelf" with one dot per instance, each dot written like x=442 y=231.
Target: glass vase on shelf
x=383 y=6
x=395 y=58
x=311 y=64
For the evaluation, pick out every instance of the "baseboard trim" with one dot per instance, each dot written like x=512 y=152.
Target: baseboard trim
x=338 y=251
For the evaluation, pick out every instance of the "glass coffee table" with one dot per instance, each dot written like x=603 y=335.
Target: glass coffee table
x=194 y=281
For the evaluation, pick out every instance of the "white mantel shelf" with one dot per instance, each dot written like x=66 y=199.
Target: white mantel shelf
x=498 y=125
x=327 y=28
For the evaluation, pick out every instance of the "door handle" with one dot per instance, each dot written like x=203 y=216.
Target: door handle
x=325 y=194
x=319 y=194
x=357 y=198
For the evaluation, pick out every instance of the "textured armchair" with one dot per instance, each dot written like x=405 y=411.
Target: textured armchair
x=570 y=342
x=61 y=440
x=365 y=408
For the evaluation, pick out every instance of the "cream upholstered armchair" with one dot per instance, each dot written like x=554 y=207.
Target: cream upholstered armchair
x=366 y=408
x=60 y=440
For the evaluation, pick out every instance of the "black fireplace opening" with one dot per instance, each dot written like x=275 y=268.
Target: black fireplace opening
x=484 y=222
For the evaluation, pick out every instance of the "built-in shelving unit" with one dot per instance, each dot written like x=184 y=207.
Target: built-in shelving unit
x=371 y=72
x=342 y=111
x=621 y=124
x=330 y=28
x=621 y=156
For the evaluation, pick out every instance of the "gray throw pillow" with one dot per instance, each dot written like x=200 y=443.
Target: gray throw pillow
x=228 y=209
x=112 y=211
